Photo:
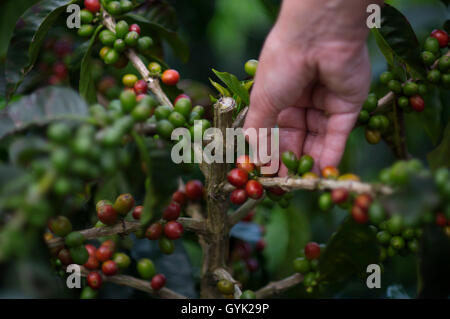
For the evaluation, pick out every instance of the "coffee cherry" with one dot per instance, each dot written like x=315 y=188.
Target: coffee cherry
x=248 y=294
x=363 y=201
x=194 y=190
x=137 y=212
x=140 y=87
x=146 y=268
x=444 y=63
x=312 y=250
x=173 y=230
x=363 y=116
x=376 y=213
x=154 y=231
x=410 y=89
x=126 y=6
x=129 y=80
x=91 y=249
x=94 y=280
x=86 y=16
x=64 y=257
x=104 y=253
x=372 y=136
x=397 y=242
x=441 y=220
x=162 y=112
x=260 y=245
x=179 y=197
x=446 y=80
x=290 y=160
x=60 y=159
x=166 y=245
x=154 y=68
x=394 y=225
x=144 y=43
x=243 y=162
x=92 y=5
x=428 y=58
x=123 y=204
x=141 y=112
x=111 y=57
x=79 y=254
x=131 y=39
x=158 y=281
x=88 y=293
x=434 y=76
x=177 y=119
x=60 y=226
x=408 y=233
x=325 y=202
x=238 y=196
x=250 y=67
x=383 y=237
x=183 y=106
x=92 y=262
x=226 y=287
x=371 y=103
x=306 y=163
x=417 y=103
x=107 y=214
x=441 y=36
x=165 y=128
x=237 y=177
x=339 y=195
x=403 y=102
x=170 y=77
x=110 y=268
x=122 y=260
x=172 y=211
x=74 y=239
x=114 y=8
x=136 y=28
x=128 y=100
x=413 y=245
x=359 y=215
x=385 y=77
x=301 y=265
x=330 y=172
x=254 y=189
x=431 y=45
x=121 y=29
x=107 y=38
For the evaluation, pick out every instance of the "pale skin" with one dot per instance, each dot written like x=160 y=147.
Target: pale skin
x=313 y=77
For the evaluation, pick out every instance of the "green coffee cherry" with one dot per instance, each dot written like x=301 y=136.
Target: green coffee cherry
x=107 y=38
x=194 y=117
x=413 y=245
x=248 y=294
x=122 y=29
x=250 y=67
x=131 y=39
x=88 y=293
x=376 y=213
x=431 y=45
x=119 y=45
x=86 y=16
x=423 y=89
x=325 y=201
x=59 y=132
x=126 y=6
x=446 y=80
x=79 y=254
x=166 y=245
x=144 y=43
x=60 y=159
x=154 y=68
x=385 y=77
x=410 y=89
x=290 y=160
x=363 y=116
x=375 y=122
x=114 y=8
x=141 y=112
x=86 y=30
x=408 y=233
x=146 y=268
x=395 y=86
x=162 y=112
x=177 y=119
x=395 y=225
x=444 y=64
x=372 y=136
x=397 y=242
x=74 y=239
x=383 y=237
x=428 y=58
x=128 y=100
x=111 y=57
x=305 y=164
x=403 y=102
x=434 y=76
x=371 y=103
x=165 y=128
x=183 y=106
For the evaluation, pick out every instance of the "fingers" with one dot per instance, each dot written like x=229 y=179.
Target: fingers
x=292 y=128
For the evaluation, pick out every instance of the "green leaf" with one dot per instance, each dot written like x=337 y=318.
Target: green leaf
x=383 y=46
x=223 y=91
x=278 y=237
x=26 y=42
x=234 y=85
x=87 y=86
x=24 y=149
x=41 y=107
x=349 y=251
x=431 y=117
x=160 y=12
x=178 y=46
x=400 y=37
x=440 y=155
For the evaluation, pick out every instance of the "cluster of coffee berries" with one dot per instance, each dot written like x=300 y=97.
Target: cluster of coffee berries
x=89 y=17
x=147 y=270
x=181 y=115
x=240 y=177
x=432 y=55
x=400 y=172
x=301 y=167
x=109 y=214
x=307 y=263
x=117 y=8
x=55 y=59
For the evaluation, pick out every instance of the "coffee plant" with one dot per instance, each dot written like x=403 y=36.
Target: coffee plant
x=86 y=172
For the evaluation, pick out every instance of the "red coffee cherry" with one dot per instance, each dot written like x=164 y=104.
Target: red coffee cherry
x=109 y=243
x=104 y=253
x=170 y=77
x=64 y=257
x=109 y=268
x=172 y=211
x=254 y=189
x=312 y=250
x=60 y=70
x=417 y=103
x=441 y=221
x=158 y=281
x=137 y=212
x=359 y=215
x=339 y=195
x=173 y=230
x=194 y=190
x=276 y=190
x=94 y=280
x=243 y=250
x=92 y=263
x=238 y=196
x=441 y=36
x=244 y=162
x=107 y=214
x=140 y=87
x=179 y=197
x=363 y=201
x=330 y=172
x=154 y=231
x=92 y=5
x=136 y=28
x=252 y=264
x=91 y=249
x=181 y=96
x=249 y=216
x=260 y=245
x=237 y=177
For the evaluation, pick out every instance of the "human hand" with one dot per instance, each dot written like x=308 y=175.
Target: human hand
x=312 y=78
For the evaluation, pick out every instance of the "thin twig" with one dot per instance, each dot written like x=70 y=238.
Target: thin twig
x=139 y=284
x=277 y=287
x=243 y=210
